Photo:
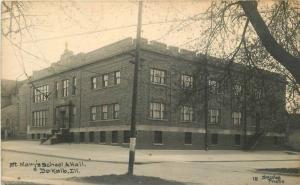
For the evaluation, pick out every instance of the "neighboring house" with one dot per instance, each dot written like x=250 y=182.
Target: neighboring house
x=9 y=121
x=11 y=127
x=88 y=97
x=8 y=92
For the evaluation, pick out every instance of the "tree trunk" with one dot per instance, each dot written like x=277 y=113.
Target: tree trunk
x=290 y=62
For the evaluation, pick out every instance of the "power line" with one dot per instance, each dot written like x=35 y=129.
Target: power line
x=107 y=29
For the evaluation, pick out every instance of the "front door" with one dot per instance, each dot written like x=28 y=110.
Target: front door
x=62 y=117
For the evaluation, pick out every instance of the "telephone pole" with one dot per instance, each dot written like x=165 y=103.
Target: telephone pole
x=134 y=93
x=206 y=91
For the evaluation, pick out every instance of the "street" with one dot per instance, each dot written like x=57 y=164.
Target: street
x=20 y=160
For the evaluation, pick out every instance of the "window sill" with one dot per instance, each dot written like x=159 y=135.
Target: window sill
x=158 y=144
x=46 y=101
x=164 y=85
x=186 y=121
x=216 y=94
x=157 y=119
x=102 y=88
x=214 y=124
x=105 y=120
x=188 y=144
x=187 y=88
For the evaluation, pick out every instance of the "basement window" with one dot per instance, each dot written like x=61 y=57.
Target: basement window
x=237 y=139
x=102 y=136
x=214 y=139
x=126 y=136
x=188 y=138
x=158 y=137
x=114 y=137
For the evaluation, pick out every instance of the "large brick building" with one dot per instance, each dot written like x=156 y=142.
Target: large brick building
x=87 y=98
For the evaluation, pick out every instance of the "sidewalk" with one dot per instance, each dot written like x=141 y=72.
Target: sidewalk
x=215 y=167
x=117 y=154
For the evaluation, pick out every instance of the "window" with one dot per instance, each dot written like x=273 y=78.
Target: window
x=105 y=80
x=157 y=110
x=73 y=114
x=74 y=84
x=212 y=84
x=43 y=117
x=257 y=121
x=214 y=116
x=65 y=89
x=34 y=121
x=237 y=89
x=186 y=81
x=94 y=82
x=236 y=118
x=82 y=138
x=158 y=76
x=158 y=137
x=102 y=136
x=116 y=109
x=276 y=141
x=214 y=87
x=114 y=137
x=117 y=77
x=41 y=93
x=56 y=87
x=104 y=112
x=257 y=93
x=93 y=113
x=39 y=118
x=7 y=123
x=188 y=138
x=237 y=139
x=126 y=136
x=187 y=113
x=91 y=137
x=214 y=139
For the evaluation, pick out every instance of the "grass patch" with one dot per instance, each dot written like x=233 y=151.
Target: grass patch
x=125 y=180
x=286 y=171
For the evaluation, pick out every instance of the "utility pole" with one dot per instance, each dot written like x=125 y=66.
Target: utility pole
x=134 y=93
x=244 y=115
x=206 y=86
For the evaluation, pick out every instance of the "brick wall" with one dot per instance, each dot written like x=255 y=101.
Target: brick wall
x=153 y=56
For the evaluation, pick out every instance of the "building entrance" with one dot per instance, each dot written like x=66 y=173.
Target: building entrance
x=62 y=117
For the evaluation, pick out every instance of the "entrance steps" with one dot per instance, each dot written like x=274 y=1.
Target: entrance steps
x=57 y=136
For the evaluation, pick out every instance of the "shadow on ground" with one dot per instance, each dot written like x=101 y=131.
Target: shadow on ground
x=125 y=180
x=20 y=183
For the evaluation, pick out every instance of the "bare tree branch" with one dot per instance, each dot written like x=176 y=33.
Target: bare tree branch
x=290 y=62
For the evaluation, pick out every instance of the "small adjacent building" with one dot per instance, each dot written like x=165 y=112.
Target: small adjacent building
x=86 y=98
x=11 y=126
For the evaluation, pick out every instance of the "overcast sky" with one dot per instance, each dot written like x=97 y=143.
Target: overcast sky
x=88 y=25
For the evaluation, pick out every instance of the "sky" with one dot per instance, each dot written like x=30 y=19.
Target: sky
x=88 y=25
